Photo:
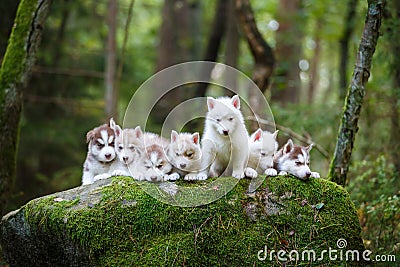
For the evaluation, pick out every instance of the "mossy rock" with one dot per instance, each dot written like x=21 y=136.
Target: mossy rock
x=114 y=222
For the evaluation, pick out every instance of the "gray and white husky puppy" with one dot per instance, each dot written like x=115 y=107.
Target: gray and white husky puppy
x=263 y=146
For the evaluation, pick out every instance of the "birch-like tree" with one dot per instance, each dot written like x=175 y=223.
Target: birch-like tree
x=355 y=94
x=15 y=72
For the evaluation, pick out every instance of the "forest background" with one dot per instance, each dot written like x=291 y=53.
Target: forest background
x=95 y=54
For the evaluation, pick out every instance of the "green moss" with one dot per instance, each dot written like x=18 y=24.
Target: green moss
x=129 y=227
x=15 y=56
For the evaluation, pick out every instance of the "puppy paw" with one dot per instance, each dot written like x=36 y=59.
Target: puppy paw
x=120 y=173
x=315 y=175
x=101 y=176
x=139 y=177
x=250 y=172
x=191 y=176
x=283 y=173
x=238 y=175
x=271 y=172
x=174 y=176
x=202 y=176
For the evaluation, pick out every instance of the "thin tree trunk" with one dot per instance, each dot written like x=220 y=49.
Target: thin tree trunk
x=111 y=96
x=232 y=37
x=314 y=63
x=288 y=52
x=354 y=99
x=349 y=25
x=14 y=75
x=262 y=53
x=215 y=39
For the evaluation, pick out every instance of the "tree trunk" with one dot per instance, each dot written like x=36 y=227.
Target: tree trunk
x=215 y=39
x=354 y=99
x=315 y=62
x=111 y=96
x=349 y=24
x=179 y=43
x=289 y=37
x=262 y=53
x=232 y=42
x=14 y=75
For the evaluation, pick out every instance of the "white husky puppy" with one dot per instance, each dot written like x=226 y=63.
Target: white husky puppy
x=153 y=165
x=101 y=153
x=295 y=160
x=184 y=154
x=263 y=146
x=224 y=142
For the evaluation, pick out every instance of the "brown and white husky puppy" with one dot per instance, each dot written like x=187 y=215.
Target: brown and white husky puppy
x=101 y=153
x=295 y=160
x=262 y=147
x=184 y=153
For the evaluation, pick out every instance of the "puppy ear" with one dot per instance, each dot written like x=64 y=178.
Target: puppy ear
x=288 y=146
x=210 y=103
x=112 y=123
x=309 y=147
x=236 y=101
x=258 y=135
x=89 y=136
x=138 y=132
x=196 y=138
x=174 y=136
x=275 y=134
x=116 y=128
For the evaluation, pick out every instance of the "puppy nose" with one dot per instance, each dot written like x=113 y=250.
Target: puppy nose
x=182 y=165
x=125 y=159
x=108 y=156
x=153 y=178
x=308 y=174
x=225 y=132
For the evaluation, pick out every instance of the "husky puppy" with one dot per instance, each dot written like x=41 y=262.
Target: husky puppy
x=295 y=160
x=153 y=165
x=225 y=140
x=184 y=154
x=263 y=146
x=128 y=143
x=101 y=153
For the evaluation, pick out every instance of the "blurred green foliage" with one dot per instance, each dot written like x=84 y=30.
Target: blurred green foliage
x=374 y=188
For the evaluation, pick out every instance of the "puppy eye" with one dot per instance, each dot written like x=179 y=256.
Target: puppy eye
x=148 y=167
x=298 y=163
x=263 y=154
x=177 y=154
x=132 y=147
x=218 y=120
x=159 y=166
x=189 y=154
x=99 y=145
x=120 y=147
x=230 y=119
x=111 y=144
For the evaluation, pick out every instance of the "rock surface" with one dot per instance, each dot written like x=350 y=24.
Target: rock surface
x=114 y=222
